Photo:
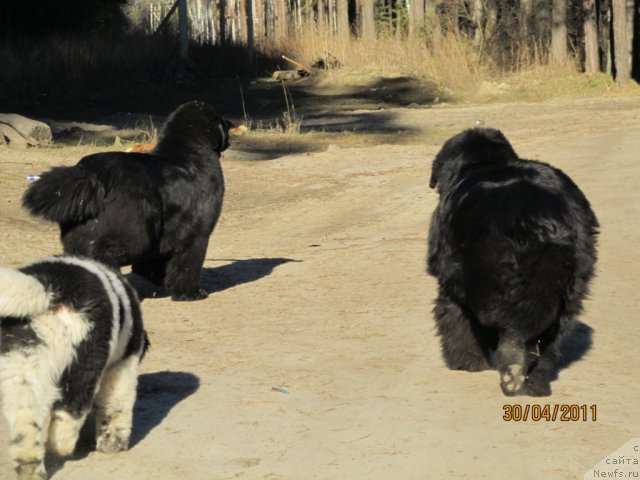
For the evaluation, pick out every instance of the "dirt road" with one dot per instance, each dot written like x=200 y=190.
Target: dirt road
x=315 y=355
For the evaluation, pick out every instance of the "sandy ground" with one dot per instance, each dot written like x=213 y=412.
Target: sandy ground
x=315 y=355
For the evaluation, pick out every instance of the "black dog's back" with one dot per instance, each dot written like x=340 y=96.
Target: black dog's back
x=131 y=210
x=517 y=246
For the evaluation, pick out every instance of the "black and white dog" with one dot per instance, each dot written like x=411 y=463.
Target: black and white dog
x=512 y=244
x=154 y=211
x=71 y=339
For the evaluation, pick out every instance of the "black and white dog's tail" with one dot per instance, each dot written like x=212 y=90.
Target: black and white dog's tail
x=66 y=195
x=21 y=295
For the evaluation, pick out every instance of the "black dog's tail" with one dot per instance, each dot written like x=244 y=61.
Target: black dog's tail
x=66 y=195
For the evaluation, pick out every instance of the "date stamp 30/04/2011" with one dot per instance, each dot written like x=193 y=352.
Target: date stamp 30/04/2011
x=559 y=412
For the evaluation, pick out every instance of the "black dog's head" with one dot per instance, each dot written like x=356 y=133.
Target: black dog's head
x=473 y=146
x=196 y=123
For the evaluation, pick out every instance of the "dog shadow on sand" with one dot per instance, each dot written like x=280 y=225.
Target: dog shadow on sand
x=158 y=393
x=216 y=279
x=573 y=347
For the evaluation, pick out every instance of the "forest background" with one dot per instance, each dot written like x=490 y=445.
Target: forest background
x=106 y=56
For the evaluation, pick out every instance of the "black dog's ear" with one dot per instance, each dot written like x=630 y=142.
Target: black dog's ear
x=224 y=126
x=435 y=172
x=433 y=181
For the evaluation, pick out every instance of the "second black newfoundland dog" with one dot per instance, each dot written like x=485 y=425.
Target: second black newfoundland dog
x=512 y=244
x=154 y=211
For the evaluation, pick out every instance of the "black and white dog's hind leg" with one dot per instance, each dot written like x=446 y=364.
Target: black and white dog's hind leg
x=28 y=369
x=116 y=396
x=68 y=327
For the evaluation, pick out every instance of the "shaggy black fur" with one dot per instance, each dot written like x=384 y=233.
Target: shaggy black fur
x=512 y=244
x=154 y=210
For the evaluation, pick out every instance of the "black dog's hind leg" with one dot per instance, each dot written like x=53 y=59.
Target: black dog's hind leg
x=543 y=355
x=537 y=382
x=461 y=347
x=183 y=272
x=153 y=270
x=511 y=359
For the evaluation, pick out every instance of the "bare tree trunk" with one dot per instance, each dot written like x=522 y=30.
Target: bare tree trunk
x=591 y=62
x=431 y=14
x=269 y=19
x=542 y=20
x=183 y=22
x=223 y=21
x=477 y=15
x=559 y=30
x=249 y=27
x=281 y=19
x=343 y=18
x=258 y=20
x=526 y=19
x=367 y=19
x=322 y=21
x=620 y=43
x=397 y=21
x=416 y=16
x=298 y=16
x=630 y=32
x=333 y=25
x=491 y=18
x=604 y=35
x=635 y=62
x=236 y=25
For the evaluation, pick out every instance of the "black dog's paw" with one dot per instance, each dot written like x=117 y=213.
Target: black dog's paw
x=198 y=294
x=512 y=380
x=536 y=387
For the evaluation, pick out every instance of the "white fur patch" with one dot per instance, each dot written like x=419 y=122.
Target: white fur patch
x=60 y=333
x=64 y=432
x=114 y=405
x=21 y=295
x=117 y=293
x=29 y=383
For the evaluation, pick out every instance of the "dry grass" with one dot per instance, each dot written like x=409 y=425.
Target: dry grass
x=538 y=84
x=98 y=75
x=448 y=60
x=460 y=71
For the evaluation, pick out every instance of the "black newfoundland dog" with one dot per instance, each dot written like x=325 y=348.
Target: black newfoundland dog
x=512 y=244
x=154 y=211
